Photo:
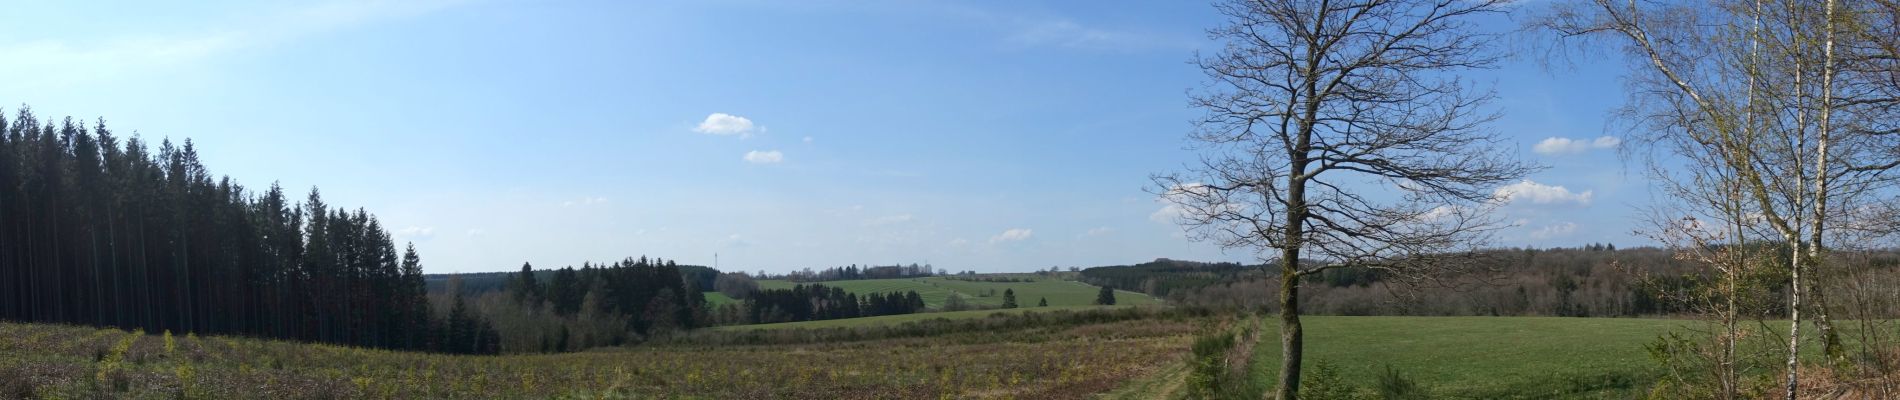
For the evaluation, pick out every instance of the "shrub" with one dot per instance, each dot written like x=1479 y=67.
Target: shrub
x=1324 y=383
x=15 y=383
x=1395 y=386
x=1209 y=363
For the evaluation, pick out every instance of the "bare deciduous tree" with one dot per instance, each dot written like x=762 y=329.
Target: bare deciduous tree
x=1335 y=135
x=1788 y=101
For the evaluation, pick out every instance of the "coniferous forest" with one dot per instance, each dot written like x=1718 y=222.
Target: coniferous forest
x=101 y=230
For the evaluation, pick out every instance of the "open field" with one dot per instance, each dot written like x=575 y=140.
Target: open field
x=1482 y=357
x=716 y=299
x=1507 y=357
x=1071 y=361
x=936 y=289
x=902 y=318
x=1452 y=357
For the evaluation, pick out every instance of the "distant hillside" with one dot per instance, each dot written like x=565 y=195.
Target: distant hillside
x=1595 y=280
x=1163 y=276
x=1029 y=290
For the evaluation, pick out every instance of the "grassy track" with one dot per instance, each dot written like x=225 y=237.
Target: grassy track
x=935 y=290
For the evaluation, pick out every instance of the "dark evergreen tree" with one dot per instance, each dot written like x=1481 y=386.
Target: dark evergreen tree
x=527 y=290
x=1105 y=297
x=1009 y=298
x=98 y=232
x=566 y=291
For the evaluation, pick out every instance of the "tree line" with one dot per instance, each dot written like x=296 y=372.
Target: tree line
x=101 y=232
x=595 y=305
x=1594 y=280
x=855 y=272
x=819 y=302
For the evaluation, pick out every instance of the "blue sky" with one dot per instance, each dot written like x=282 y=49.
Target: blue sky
x=989 y=136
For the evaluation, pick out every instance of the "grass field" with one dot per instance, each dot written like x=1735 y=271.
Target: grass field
x=716 y=299
x=1482 y=357
x=1451 y=357
x=935 y=290
x=1071 y=362
x=902 y=318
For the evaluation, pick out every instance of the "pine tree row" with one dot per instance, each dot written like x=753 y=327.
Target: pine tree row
x=98 y=232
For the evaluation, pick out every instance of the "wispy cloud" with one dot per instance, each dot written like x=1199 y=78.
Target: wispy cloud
x=584 y=201
x=1031 y=30
x=735 y=241
x=1554 y=231
x=1012 y=235
x=889 y=220
x=1172 y=211
x=62 y=61
x=1072 y=34
x=416 y=232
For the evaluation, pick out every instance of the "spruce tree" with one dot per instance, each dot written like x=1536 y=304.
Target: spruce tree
x=526 y=288
x=1106 y=297
x=1009 y=298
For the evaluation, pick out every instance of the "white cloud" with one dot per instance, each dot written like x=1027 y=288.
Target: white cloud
x=959 y=242
x=1012 y=235
x=584 y=201
x=1558 y=145
x=416 y=232
x=889 y=220
x=1554 y=231
x=1099 y=231
x=724 y=124
x=1440 y=213
x=764 y=157
x=734 y=240
x=1538 y=193
x=808 y=140
x=477 y=232
x=1168 y=214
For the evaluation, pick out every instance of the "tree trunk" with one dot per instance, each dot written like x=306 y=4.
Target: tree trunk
x=1290 y=331
x=1830 y=341
x=1794 y=317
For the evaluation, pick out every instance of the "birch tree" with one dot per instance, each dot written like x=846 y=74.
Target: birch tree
x=1762 y=91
